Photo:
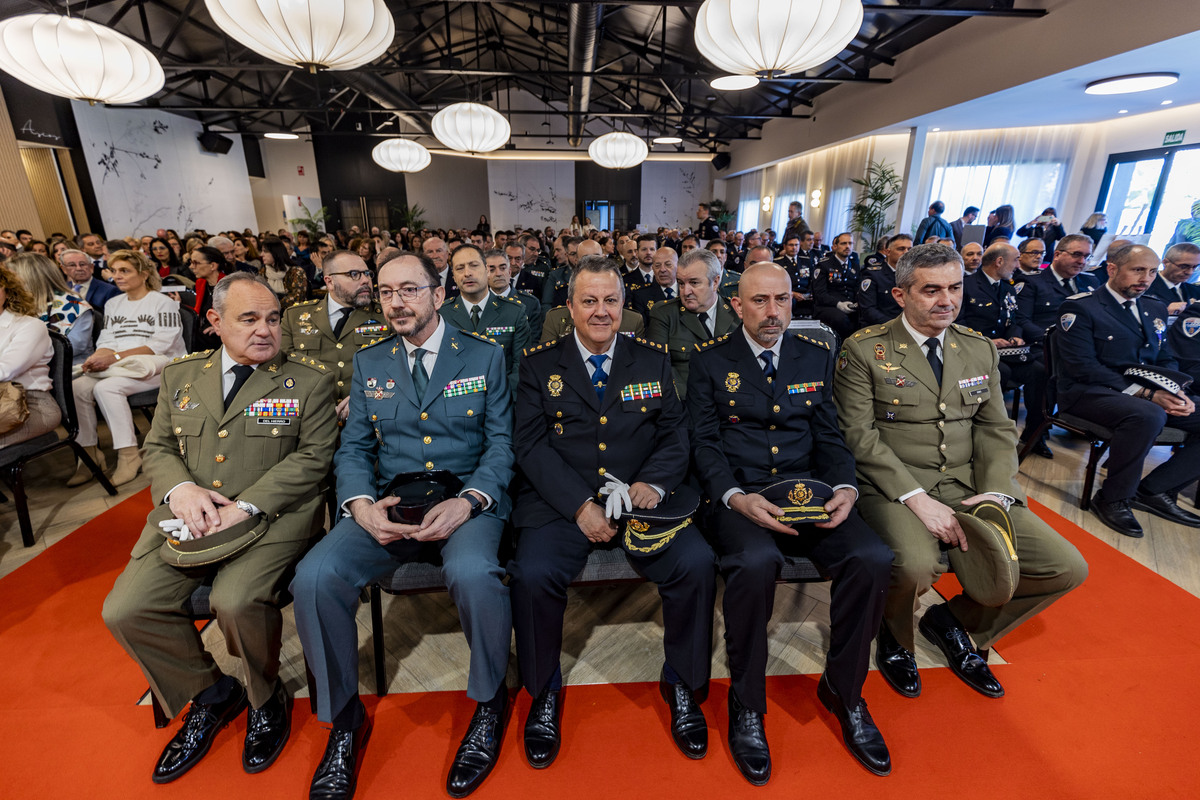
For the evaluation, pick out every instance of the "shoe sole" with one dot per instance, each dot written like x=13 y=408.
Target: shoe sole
x=936 y=642
x=1140 y=506
x=160 y=779
x=1131 y=534
x=883 y=673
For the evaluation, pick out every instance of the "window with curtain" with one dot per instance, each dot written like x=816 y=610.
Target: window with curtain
x=1028 y=187
x=747 y=214
x=837 y=212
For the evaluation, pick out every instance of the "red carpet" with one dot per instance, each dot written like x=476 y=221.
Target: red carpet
x=1077 y=722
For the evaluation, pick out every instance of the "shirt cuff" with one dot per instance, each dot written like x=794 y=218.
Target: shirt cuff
x=345 y=506
x=488 y=502
x=255 y=510
x=725 y=497
x=847 y=486
x=913 y=493
x=1132 y=389
x=659 y=489
x=167 y=496
x=1005 y=500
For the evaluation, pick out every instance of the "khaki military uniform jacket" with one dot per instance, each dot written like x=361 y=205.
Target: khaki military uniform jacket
x=681 y=331
x=908 y=433
x=271 y=448
x=306 y=330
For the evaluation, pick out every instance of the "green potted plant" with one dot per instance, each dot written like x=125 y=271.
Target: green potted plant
x=721 y=213
x=311 y=221
x=880 y=189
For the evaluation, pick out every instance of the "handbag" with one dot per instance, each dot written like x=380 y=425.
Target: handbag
x=14 y=407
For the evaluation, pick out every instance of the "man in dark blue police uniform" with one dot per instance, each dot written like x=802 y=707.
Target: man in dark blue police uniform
x=875 y=301
x=1172 y=286
x=595 y=410
x=761 y=407
x=1100 y=335
x=835 y=287
x=1038 y=302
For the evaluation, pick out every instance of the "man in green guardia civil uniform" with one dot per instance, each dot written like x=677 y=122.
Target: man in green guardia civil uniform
x=920 y=403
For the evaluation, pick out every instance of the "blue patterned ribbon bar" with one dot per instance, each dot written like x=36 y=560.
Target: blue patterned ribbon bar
x=967 y=383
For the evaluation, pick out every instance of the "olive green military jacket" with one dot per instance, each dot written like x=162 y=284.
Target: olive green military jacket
x=306 y=330
x=271 y=448
x=558 y=324
x=681 y=331
x=906 y=432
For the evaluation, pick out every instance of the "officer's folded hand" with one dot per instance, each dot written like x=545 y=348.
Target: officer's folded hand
x=1174 y=404
x=372 y=517
x=760 y=511
x=838 y=507
x=594 y=524
x=643 y=495
x=197 y=507
x=443 y=520
x=230 y=515
x=939 y=519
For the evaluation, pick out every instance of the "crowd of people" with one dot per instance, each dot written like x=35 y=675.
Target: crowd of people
x=487 y=370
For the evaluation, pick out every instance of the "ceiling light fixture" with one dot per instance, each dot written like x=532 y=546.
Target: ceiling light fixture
x=618 y=150
x=313 y=34
x=71 y=57
x=667 y=140
x=280 y=135
x=734 y=83
x=470 y=127
x=792 y=36
x=1125 y=84
x=401 y=155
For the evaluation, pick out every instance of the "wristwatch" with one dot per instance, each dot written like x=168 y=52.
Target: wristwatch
x=476 y=504
x=246 y=507
x=116 y=355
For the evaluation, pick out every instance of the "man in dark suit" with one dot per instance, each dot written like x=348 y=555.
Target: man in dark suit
x=437 y=251
x=81 y=277
x=708 y=229
x=1100 y=335
x=835 y=287
x=1038 y=302
x=761 y=408
x=527 y=279
x=635 y=279
x=1030 y=253
x=94 y=247
x=429 y=398
x=662 y=288
x=598 y=413
x=500 y=281
x=1171 y=285
x=875 y=301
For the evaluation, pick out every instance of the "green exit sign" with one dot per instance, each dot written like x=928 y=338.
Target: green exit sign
x=1174 y=137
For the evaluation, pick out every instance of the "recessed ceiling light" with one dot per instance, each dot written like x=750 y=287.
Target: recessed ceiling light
x=281 y=136
x=734 y=83
x=1123 y=111
x=1124 y=84
x=1166 y=102
x=667 y=140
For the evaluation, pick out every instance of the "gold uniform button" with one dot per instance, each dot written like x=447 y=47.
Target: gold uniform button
x=775 y=409
x=220 y=459
x=603 y=446
x=178 y=431
x=302 y=345
x=941 y=469
x=770 y=427
x=470 y=412
x=428 y=465
x=941 y=424
x=773 y=470
x=274 y=431
x=601 y=470
x=941 y=406
x=643 y=409
x=341 y=363
x=604 y=420
x=222 y=434
x=428 y=440
x=895 y=401
x=733 y=402
x=374 y=417
x=217 y=484
x=424 y=415
x=341 y=383
x=808 y=402
x=558 y=414
x=774 y=450
x=942 y=447
x=339 y=347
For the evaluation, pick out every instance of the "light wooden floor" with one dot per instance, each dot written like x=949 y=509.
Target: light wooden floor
x=612 y=634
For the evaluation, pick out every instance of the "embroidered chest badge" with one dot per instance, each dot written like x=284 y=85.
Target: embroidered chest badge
x=555 y=385
x=733 y=382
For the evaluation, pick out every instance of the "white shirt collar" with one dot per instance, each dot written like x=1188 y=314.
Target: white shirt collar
x=1120 y=300
x=334 y=308
x=758 y=349
x=481 y=305
x=921 y=338
x=227 y=362
x=431 y=344
x=585 y=354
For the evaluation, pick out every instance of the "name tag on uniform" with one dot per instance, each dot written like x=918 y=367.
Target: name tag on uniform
x=372 y=329
x=641 y=391
x=499 y=329
x=267 y=407
x=967 y=383
x=465 y=386
x=274 y=421
x=801 y=388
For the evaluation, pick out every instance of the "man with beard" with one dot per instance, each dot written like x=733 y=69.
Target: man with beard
x=835 y=287
x=429 y=398
x=330 y=330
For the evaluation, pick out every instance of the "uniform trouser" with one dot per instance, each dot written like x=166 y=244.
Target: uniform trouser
x=842 y=324
x=330 y=579
x=1135 y=424
x=145 y=613
x=750 y=560
x=549 y=557
x=112 y=395
x=1050 y=567
x=1032 y=376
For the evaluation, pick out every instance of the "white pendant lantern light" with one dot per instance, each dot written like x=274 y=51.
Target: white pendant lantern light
x=324 y=34
x=618 y=150
x=470 y=128
x=401 y=155
x=771 y=38
x=74 y=58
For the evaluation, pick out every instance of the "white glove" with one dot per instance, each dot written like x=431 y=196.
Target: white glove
x=177 y=527
x=618 y=495
x=845 y=306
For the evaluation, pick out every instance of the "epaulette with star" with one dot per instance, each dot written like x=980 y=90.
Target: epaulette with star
x=662 y=348
x=311 y=363
x=305 y=303
x=969 y=331
x=701 y=346
x=528 y=351
x=814 y=342
x=190 y=356
x=374 y=342
x=871 y=331
x=482 y=338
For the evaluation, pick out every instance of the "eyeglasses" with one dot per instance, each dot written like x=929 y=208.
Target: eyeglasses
x=1184 y=266
x=1032 y=252
x=1076 y=253
x=352 y=274
x=406 y=292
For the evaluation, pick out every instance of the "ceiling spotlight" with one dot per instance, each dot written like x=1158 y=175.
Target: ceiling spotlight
x=1166 y=102
x=734 y=83
x=280 y=135
x=1125 y=84
x=667 y=140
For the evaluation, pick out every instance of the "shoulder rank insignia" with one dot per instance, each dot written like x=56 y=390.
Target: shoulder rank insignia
x=813 y=342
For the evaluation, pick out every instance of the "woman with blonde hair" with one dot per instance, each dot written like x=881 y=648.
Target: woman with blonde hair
x=54 y=303
x=141 y=333
x=25 y=353
x=1095 y=227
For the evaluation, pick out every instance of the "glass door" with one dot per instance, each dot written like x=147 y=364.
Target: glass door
x=1132 y=187
x=1181 y=191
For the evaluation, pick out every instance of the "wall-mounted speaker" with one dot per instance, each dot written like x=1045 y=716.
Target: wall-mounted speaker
x=721 y=160
x=213 y=142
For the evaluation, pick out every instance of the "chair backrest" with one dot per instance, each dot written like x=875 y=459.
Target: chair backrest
x=60 y=374
x=190 y=321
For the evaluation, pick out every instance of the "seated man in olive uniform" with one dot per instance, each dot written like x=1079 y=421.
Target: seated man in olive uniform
x=238 y=432
x=331 y=329
x=698 y=315
x=920 y=402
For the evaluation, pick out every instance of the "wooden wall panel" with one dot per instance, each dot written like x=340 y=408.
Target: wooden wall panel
x=17 y=207
x=47 y=189
x=74 y=194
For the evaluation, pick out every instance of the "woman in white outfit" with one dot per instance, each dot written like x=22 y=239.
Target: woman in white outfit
x=142 y=329
x=25 y=353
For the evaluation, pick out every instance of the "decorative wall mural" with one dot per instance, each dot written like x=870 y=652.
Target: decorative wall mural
x=531 y=194
x=671 y=190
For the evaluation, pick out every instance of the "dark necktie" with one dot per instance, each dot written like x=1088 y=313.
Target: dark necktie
x=341 y=323
x=98 y=264
x=703 y=317
x=768 y=359
x=935 y=361
x=241 y=373
x=475 y=318
x=599 y=376
x=670 y=293
x=419 y=375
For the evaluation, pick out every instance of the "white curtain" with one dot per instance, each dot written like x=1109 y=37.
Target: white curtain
x=749 y=196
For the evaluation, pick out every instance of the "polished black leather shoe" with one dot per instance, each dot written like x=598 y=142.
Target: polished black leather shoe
x=896 y=664
x=337 y=774
x=748 y=742
x=196 y=735
x=267 y=731
x=688 y=728
x=961 y=655
x=1118 y=516
x=479 y=750
x=859 y=732
x=1042 y=449
x=543 y=732
x=1164 y=505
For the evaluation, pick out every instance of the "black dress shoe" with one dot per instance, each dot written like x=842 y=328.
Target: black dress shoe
x=863 y=739
x=1118 y=516
x=480 y=749
x=1164 y=505
x=688 y=728
x=896 y=664
x=954 y=643
x=267 y=731
x=337 y=774
x=543 y=732
x=1042 y=449
x=748 y=742
x=196 y=735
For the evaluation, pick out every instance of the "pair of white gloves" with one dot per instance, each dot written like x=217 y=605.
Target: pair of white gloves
x=176 y=529
x=618 y=496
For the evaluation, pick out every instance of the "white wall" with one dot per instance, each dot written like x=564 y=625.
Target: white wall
x=530 y=194
x=671 y=191
x=283 y=161
x=149 y=172
x=452 y=190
